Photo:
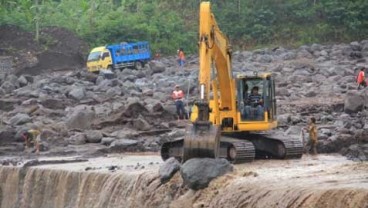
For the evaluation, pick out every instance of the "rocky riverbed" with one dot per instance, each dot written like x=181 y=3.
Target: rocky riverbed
x=101 y=135
x=87 y=114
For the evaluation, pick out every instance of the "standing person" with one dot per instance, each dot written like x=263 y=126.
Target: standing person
x=181 y=57
x=312 y=129
x=32 y=136
x=178 y=96
x=361 y=78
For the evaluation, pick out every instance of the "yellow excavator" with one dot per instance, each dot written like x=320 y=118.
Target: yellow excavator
x=231 y=115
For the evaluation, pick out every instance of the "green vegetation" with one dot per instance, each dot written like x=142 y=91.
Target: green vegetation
x=171 y=24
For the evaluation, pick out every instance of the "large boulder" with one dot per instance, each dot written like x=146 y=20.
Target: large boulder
x=141 y=124
x=157 y=67
x=77 y=93
x=8 y=87
x=22 y=81
x=107 y=140
x=52 y=103
x=121 y=145
x=94 y=136
x=19 y=119
x=354 y=102
x=8 y=104
x=294 y=130
x=81 y=118
x=356 y=152
x=8 y=135
x=77 y=139
x=197 y=173
x=134 y=109
x=168 y=169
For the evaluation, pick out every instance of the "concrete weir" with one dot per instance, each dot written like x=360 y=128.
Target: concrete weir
x=306 y=183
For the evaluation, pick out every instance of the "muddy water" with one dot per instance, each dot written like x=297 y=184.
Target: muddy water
x=323 y=181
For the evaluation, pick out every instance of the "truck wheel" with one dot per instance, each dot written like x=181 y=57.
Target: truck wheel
x=138 y=65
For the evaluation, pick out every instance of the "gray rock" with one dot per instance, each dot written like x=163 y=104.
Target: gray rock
x=80 y=119
x=19 y=119
x=282 y=92
x=293 y=130
x=304 y=54
x=264 y=59
x=94 y=136
x=283 y=119
x=77 y=93
x=121 y=145
x=141 y=124
x=197 y=173
x=288 y=56
x=22 y=81
x=99 y=80
x=134 y=109
x=157 y=67
x=115 y=91
x=104 y=85
x=10 y=134
x=8 y=87
x=53 y=103
x=354 y=102
x=311 y=93
x=8 y=104
x=355 y=46
x=77 y=139
x=326 y=132
x=168 y=169
x=315 y=47
x=107 y=140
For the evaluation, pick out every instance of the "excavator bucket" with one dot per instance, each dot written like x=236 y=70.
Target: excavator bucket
x=202 y=140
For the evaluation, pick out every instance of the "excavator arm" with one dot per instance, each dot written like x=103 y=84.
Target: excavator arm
x=215 y=59
x=215 y=78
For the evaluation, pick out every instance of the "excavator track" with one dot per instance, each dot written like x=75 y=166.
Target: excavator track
x=276 y=146
x=293 y=147
x=234 y=150
x=237 y=151
x=244 y=148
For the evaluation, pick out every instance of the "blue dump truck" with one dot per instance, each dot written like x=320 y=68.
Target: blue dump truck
x=119 y=56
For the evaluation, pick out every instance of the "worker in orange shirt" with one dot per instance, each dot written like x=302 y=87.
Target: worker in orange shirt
x=361 y=78
x=181 y=57
x=178 y=97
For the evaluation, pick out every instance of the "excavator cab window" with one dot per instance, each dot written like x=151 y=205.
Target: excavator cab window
x=251 y=92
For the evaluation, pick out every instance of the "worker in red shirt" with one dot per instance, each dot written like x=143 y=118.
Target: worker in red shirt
x=361 y=78
x=178 y=97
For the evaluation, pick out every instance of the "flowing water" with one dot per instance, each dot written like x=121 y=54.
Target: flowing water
x=323 y=181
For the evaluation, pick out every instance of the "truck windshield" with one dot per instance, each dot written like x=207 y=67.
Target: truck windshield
x=94 y=56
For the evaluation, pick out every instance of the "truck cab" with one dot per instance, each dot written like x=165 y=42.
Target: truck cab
x=98 y=59
x=119 y=56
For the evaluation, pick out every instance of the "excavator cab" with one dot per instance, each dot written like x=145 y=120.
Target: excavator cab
x=256 y=98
